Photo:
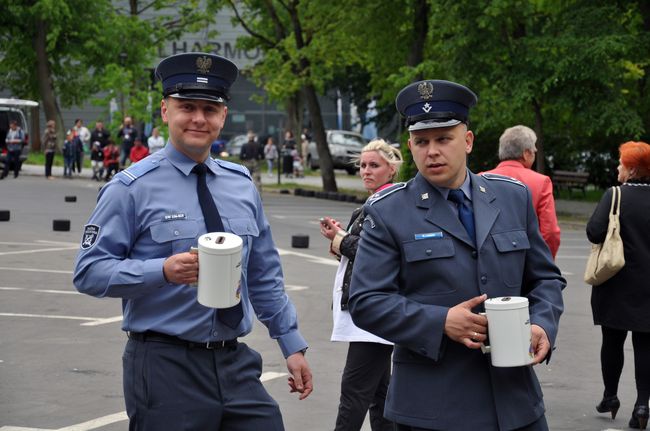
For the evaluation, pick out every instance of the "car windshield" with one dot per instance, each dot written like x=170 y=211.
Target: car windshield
x=348 y=140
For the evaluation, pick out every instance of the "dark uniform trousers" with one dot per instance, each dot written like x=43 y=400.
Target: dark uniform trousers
x=539 y=425
x=174 y=387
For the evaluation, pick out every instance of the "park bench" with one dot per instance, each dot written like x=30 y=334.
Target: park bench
x=568 y=180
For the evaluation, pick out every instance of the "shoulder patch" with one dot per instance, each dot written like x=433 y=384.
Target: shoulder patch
x=234 y=167
x=89 y=238
x=497 y=177
x=376 y=197
x=135 y=171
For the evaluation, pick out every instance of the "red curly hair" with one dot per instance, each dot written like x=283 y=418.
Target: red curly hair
x=636 y=155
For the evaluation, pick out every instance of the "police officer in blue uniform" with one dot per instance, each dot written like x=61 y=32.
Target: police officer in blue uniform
x=431 y=252
x=184 y=367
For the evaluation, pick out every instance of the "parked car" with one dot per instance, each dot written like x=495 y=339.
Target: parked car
x=19 y=110
x=345 y=147
x=233 y=147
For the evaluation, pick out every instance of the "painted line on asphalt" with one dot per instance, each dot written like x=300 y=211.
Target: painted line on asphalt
x=105 y=321
x=314 y=259
x=116 y=417
x=92 y=321
x=52 y=271
x=40 y=250
x=62 y=292
x=294 y=287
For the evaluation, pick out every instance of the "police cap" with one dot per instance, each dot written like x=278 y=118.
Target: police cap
x=197 y=75
x=434 y=103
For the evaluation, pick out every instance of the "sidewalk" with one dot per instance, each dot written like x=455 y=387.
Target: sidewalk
x=578 y=210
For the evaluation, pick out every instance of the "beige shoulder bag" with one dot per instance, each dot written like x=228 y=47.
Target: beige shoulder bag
x=607 y=259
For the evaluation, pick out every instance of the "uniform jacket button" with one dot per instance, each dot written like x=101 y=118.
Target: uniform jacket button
x=483 y=279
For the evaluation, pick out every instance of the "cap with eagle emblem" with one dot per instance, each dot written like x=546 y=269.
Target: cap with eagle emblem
x=197 y=75
x=435 y=103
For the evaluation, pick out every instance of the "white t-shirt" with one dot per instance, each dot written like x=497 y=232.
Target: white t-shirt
x=344 y=328
x=155 y=143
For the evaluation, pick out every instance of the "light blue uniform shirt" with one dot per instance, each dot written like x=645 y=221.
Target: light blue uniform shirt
x=151 y=211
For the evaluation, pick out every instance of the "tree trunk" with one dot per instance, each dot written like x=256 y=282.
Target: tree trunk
x=318 y=131
x=45 y=83
x=540 y=161
x=420 y=30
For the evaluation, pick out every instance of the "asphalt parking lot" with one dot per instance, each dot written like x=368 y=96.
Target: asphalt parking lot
x=60 y=352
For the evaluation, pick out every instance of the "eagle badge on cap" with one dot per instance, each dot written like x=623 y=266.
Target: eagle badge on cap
x=426 y=90
x=203 y=64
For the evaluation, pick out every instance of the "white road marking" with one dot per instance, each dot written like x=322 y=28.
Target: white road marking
x=116 y=417
x=41 y=250
x=105 y=321
x=314 y=259
x=62 y=292
x=92 y=321
x=43 y=241
x=294 y=287
x=281 y=217
x=270 y=375
x=84 y=426
x=53 y=271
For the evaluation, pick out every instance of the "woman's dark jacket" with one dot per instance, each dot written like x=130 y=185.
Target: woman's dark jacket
x=348 y=248
x=623 y=301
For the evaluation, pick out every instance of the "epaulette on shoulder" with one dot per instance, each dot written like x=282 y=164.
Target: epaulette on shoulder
x=135 y=171
x=497 y=177
x=376 y=197
x=234 y=167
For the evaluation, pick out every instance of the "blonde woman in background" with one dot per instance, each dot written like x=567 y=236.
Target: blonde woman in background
x=367 y=369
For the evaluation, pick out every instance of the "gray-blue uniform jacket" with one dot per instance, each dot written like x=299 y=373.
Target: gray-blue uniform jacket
x=415 y=261
x=151 y=211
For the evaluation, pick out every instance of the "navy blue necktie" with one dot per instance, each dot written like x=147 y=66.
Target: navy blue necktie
x=465 y=212
x=233 y=315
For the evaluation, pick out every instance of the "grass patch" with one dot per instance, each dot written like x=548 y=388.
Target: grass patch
x=34 y=158
x=592 y=194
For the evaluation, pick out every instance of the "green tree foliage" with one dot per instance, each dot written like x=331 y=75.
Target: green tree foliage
x=63 y=52
x=303 y=49
x=575 y=71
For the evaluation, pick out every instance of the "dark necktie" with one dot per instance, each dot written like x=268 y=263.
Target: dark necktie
x=465 y=212
x=233 y=315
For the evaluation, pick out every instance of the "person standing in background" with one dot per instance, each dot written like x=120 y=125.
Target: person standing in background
x=97 y=161
x=128 y=133
x=138 y=152
x=517 y=154
x=68 y=154
x=14 y=141
x=270 y=154
x=367 y=367
x=111 y=159
x=100 y=135
x=155 y=142
x=622 y=303
x=250 y=155
x=50 y=147
x=82 y=144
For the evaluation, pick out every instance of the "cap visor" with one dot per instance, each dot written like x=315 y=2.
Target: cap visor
x=199 y=96
x=431 y=124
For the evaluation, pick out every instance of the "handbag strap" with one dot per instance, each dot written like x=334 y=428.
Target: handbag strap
x=615 y=208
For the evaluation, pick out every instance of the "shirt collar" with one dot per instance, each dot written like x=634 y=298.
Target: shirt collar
x=184 y=163
x=466 y=187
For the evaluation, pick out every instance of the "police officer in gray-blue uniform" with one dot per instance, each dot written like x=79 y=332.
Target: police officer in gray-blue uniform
x=184 y=367
x=431 y=252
